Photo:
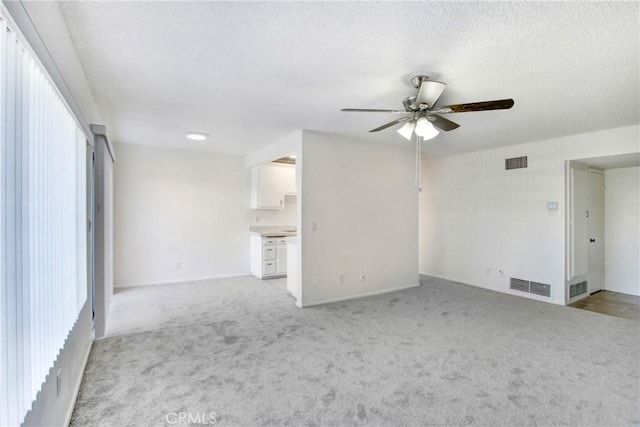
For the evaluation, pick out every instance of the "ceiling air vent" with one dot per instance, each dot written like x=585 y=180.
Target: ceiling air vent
x=515 y=163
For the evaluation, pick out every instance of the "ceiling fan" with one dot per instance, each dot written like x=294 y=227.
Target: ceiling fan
x=423 y=117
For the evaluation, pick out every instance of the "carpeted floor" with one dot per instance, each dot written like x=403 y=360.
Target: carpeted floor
x=440 y=354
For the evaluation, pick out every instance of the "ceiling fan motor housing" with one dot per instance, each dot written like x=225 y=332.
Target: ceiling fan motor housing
x=410 y=103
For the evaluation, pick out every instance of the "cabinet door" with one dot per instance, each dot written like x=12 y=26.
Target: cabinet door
x=282 y=259
x=289 y=177
x=269 y=188
x=270 y=183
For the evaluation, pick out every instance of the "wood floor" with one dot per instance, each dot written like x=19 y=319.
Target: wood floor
x=611 y=303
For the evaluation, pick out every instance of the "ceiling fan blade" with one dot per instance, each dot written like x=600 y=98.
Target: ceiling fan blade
x=442 y=123
x=500 y=104
x=388 y=125
x=372 y=110
x=429 y=92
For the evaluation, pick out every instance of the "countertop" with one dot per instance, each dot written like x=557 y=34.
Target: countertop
x=273 y=230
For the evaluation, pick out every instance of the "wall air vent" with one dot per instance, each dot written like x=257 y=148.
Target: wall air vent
x=519 y=285
x=541 y=289
x=536 y=288
x=577 y=289
x=515 y=163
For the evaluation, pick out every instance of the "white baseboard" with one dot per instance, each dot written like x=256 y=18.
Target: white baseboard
x=443 y=278
x=185 y=280
x=500 y=290
x=368 y=294
x=67 y=419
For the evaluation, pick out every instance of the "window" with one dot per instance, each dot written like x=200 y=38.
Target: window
x=43 y=226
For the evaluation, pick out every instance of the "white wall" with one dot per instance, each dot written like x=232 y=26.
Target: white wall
x=179 y=215
x=363 y=200
x=622 y=230
x=477 y=219
x=290 y=144
x=52 y=28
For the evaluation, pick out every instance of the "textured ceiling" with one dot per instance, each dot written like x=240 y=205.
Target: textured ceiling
x=249 y=73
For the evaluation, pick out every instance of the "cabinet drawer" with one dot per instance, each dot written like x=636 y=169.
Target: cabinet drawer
x=269 y=268
x=269 y=253
x=282 y=241
x=269 y=241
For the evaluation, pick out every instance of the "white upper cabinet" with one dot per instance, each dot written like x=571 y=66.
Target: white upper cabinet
x=270 y=183
x=290 y=180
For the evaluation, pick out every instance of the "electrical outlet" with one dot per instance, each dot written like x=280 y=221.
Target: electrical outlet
x=257 y=219
x=362 y=277
x=58 y=382
x=314 y=226
x=342 y=279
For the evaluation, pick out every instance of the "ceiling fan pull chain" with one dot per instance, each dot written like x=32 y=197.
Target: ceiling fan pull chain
x=419 y=162
x=417 y=178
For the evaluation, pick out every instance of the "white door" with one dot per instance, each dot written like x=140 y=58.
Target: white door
x=596 y=226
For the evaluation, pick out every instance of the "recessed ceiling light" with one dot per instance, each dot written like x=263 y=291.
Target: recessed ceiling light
x=197 y=136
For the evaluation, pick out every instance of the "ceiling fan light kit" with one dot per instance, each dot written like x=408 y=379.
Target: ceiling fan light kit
x=407 y=130
x=425 y=129
x=422 y=117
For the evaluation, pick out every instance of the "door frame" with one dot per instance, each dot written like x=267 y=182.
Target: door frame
x=571 y=276
x=91 y=221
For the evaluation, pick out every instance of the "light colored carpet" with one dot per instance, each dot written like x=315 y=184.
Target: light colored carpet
x=440 y=354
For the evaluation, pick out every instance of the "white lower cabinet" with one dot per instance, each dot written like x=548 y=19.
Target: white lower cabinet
x=268 y=257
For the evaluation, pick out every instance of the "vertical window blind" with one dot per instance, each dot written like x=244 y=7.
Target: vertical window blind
x=43 y=226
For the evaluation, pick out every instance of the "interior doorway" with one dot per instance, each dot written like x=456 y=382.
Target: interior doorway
x=603 y=230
